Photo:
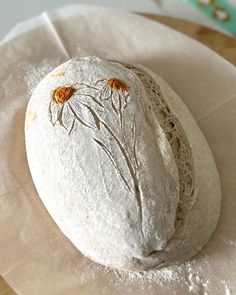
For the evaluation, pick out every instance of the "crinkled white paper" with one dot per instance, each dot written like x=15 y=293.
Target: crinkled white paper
x=35 y=257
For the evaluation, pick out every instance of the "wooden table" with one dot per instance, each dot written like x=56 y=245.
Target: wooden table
x=5 y=289
x=222 y=44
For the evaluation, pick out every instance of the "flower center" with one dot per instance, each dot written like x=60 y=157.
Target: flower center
x=62 y=94
x=117 y=84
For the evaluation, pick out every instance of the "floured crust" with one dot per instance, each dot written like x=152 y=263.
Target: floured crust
x=122 y=167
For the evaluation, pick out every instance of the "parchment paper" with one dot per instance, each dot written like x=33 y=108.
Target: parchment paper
x=35 y=257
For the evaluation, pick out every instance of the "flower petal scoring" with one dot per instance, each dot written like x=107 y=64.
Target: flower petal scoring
x=105 y=92
x=67 y=117
x=54 y=111
x=117 y=84
x=62 y=94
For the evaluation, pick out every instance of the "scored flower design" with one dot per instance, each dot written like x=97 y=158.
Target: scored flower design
x=68 y=103
x=58 y=104
x=115 y=90
x=86 y=104
x=67 y=106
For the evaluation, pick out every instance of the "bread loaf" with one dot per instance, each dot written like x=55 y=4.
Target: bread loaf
x=121 y=165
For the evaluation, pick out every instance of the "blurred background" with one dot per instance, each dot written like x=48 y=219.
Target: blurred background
x=218 y=14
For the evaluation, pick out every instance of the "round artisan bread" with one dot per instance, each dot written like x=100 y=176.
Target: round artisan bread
x=121 y=165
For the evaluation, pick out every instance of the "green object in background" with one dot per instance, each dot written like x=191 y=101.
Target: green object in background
x=221 y=11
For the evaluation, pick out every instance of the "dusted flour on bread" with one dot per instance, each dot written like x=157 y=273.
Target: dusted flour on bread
x=120 y=164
